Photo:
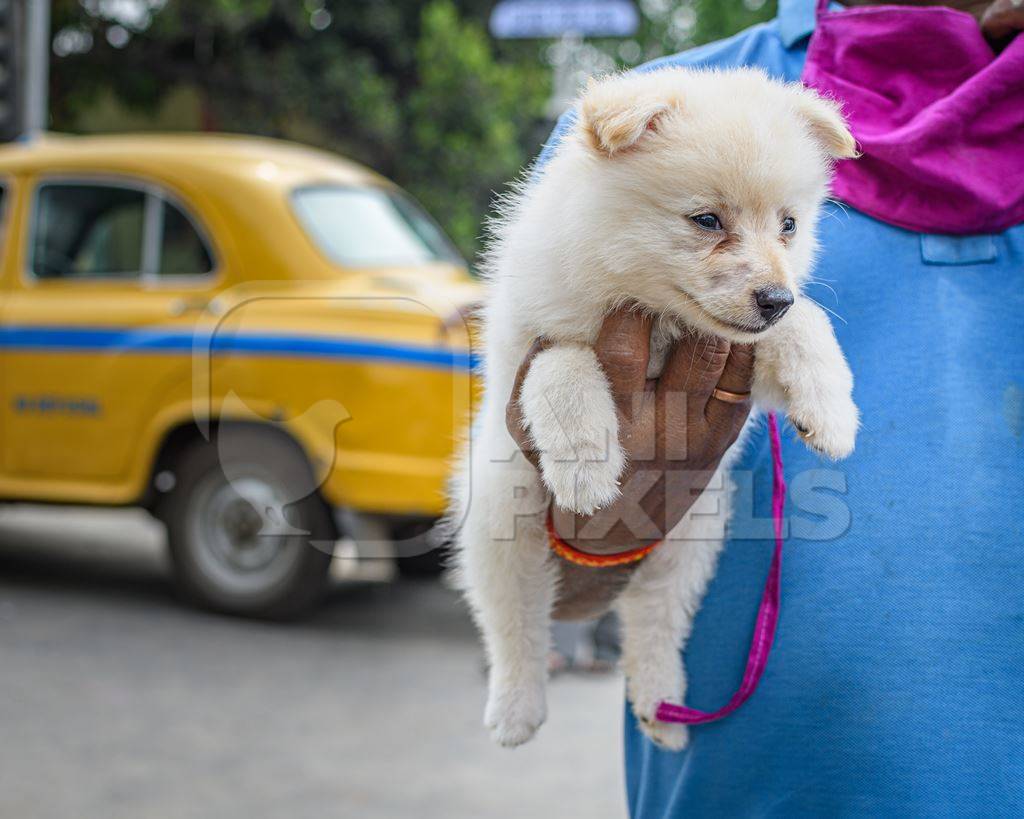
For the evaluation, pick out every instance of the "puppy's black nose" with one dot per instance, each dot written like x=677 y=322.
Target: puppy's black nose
x=773 y=302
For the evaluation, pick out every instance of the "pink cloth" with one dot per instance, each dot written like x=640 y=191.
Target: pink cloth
x=767 y=614
x=938 y=117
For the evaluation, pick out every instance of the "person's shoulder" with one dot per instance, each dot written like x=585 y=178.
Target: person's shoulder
x=760 y=45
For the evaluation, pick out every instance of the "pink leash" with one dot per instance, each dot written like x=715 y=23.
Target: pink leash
x=767 y=614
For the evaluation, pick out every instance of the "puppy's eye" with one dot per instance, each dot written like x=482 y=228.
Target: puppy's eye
x=789 y=225
x=707 y=221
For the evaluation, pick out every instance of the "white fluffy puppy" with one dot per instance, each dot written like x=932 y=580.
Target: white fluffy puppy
x=695 y=195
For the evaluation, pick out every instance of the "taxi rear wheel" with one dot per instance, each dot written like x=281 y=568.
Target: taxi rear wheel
x=237 y=542
x=418 y=554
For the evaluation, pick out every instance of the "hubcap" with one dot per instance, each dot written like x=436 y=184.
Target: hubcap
x=232 y=531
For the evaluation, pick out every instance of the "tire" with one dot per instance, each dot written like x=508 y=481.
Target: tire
x=222 y=554
x=417 y=555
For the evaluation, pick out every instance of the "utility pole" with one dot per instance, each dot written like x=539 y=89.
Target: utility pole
x=37 y=67
x=11 y=40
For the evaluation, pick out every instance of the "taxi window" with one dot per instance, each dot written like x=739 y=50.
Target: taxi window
x=182 y=251
x=84 y=231
x=371 y=227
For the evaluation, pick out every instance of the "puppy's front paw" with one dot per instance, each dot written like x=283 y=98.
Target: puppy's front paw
x=514 y=714
x=585 y=480
x=829 y=429
x=646 y=690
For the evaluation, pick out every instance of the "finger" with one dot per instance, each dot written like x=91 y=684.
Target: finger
x=738 y=374
x=694 y=365
x=1001 y=21
x=623 y=348
x=724 y=413
x=513 y=412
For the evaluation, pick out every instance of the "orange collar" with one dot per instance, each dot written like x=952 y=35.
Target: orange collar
x=574 y=555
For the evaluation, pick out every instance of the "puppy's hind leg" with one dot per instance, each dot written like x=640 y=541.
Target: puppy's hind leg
x=511 y=587
x=657 y=610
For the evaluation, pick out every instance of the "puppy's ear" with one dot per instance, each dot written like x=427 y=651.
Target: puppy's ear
x=826 y=123
x=613 y=116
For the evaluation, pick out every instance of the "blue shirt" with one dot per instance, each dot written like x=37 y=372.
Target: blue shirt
x=896 y=685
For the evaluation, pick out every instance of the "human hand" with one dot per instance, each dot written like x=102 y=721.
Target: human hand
x=673 y=429
x=1001 y=22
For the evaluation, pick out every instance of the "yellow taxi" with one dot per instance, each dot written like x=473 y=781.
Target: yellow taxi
x=250 y=338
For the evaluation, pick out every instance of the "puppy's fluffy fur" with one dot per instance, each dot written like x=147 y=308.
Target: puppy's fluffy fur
x=609 y=220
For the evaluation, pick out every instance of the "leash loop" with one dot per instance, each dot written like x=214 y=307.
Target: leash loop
x=767 y=614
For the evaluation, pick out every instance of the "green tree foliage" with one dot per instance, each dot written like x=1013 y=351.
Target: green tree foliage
x=669 y=26
x=416 y=90
x=475 y=141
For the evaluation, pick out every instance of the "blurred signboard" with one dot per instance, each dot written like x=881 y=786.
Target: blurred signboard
x=512 y=19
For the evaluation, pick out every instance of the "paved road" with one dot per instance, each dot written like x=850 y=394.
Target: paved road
x=116 y=701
